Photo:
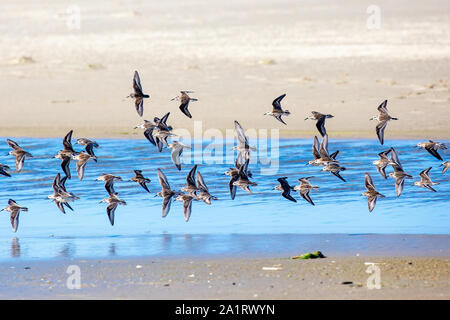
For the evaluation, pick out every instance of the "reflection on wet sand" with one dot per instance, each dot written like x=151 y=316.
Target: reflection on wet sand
x=15 y=248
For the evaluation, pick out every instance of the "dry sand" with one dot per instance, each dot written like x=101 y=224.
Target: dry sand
x=236 y=55
x=237 y=278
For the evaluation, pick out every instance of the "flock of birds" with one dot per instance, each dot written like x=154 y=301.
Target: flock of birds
x=157 y=132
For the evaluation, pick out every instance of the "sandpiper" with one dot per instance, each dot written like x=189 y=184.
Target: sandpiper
x=89 y=146
x=185 y=99
x=320 y=118
x=113 y=201
x=60 y=195
x=177 y=150
x=234 y=175
x=383 y=118
x=109 y=182
x=187 y=204
x=433 y=147
x=285 y=188
x=149 y=126
x=14 y=209
x=82 y=159
x=19 y=153
x=277 y=111
x=399 y=175
x=243 y=182
x=166 y=193
x=446 y=165
x=138 y=95
x=425 y=180
x=203 y=192
x=382 y=163
x=139 y=178
x=334 y=168
x=244 y=148
x=66 y=154
x=304 y=188
x=4 y=170
x=372 y=194
x=191 y=185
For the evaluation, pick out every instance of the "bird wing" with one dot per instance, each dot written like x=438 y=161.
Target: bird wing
x=323 y=149
x=433 y=152
x=240 y=134
x=166 y=205
x=184 y=108
x=399 y=183
x=137 y=84
x=369 y=183
x=190 y=178
x=201 y=183
x=371 y=201
x=176 y=153
x=382 y=108
x=187 y=208
x=425 y=174
x=65 y=166
x=162 y=179
x=278 y=117
x=380 y=130
x=320 y=124
x=13 y=144
x=305 y=195
x=109 y=186
x=110 y=210
x=394 y=158
x=277 y=102
x=81 y=164
x=14 y=218
x=143 y=185
x=232 y=187
x=20 y=159
x=139 y=104
x=338 y=175
x=67 y=142
x=315 y=148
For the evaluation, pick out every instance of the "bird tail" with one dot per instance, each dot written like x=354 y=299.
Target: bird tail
x=394 y=118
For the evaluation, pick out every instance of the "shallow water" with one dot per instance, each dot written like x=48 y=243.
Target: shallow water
x=45 y=232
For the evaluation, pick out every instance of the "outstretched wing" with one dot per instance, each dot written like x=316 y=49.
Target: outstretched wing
x=320 y=125
x=369 y=183
x=184 y=108
x=139 y=104
x=277 y=102
x=110 y=210
x=162 y=179
x=380 y=130
x=137 y=84
x=433 y=152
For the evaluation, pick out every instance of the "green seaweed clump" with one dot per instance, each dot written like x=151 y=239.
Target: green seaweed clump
x=309 y=255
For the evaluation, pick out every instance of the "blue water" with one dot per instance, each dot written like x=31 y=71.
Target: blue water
x=44 y=232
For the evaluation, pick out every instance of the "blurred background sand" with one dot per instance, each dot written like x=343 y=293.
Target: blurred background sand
x=236 y=55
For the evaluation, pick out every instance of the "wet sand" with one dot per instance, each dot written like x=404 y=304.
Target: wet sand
x=229 y=278
x=411 y=267
x=236 y=56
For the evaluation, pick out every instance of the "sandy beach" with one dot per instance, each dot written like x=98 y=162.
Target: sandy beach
x=229 y=278
x=237 y=56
